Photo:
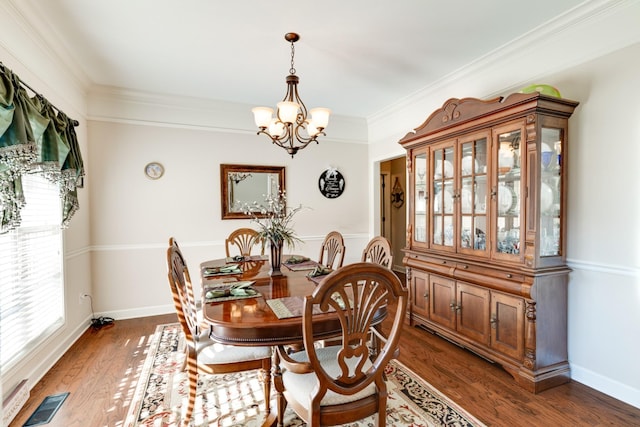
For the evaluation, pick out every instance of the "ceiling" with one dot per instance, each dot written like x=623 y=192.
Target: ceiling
x=355 y=57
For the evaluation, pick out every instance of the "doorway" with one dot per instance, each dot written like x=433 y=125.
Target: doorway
x=393 y=207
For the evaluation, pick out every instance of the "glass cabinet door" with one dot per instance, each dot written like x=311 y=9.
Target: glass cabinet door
x=420 y=197
x=473 y=194
x=507 y=191
x=442 y=191
x=550 y=191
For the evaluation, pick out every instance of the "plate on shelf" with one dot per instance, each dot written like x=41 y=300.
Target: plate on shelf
x=446 y=199
x=505 y=160
x=466 y=200
x=507 y=199
x=448 y=169
x=469 y=165
x=546 y=197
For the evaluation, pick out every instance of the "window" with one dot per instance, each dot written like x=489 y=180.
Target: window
x=31 y=281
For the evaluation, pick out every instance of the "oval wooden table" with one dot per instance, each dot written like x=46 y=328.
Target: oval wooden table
x=251 y=321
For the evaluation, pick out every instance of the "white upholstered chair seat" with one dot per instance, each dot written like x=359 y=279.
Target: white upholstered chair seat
x=301 y=386
x=211 y=352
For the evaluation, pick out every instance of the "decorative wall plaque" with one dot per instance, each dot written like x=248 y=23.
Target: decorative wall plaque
x=331 y=183
x=397 y=194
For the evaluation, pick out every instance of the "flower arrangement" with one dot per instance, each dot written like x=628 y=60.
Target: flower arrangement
x=275 y=227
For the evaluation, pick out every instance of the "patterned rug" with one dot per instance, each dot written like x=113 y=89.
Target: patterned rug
x=237 y=399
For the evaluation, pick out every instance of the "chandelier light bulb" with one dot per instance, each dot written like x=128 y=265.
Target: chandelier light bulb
x=276 y=129
x=288 y=111
x=262 y=116
x=312 y=129
x=320 y=117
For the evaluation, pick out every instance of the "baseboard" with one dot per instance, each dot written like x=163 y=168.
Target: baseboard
x=138 y=312
x=606 y=385
x=37 y=364
x=14 y=402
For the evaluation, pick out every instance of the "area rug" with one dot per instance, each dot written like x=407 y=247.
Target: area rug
x=237 y=400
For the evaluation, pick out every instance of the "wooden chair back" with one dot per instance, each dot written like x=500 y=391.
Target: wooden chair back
x=357 y=292
x=182 y=291
x=378 y=251
x=332 y=250
x=217 y=358
x=244 y=239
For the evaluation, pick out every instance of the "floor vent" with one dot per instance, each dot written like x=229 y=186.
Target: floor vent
x=14 y=402
x=47 y=409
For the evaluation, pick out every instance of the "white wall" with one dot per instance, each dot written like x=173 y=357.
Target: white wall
x=133 y=216
x=603 y=198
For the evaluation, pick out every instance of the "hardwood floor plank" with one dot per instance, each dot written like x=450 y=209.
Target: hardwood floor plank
x=100 y=371
x=102 y=368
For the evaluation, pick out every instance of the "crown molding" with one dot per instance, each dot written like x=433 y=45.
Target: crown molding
x=112 y=104
x=47 y=41
x=588 y=31
x=37 y=61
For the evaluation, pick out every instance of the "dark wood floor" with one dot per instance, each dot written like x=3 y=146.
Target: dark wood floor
x=101 y=369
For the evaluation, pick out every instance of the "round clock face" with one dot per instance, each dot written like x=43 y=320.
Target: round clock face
x=154 y=170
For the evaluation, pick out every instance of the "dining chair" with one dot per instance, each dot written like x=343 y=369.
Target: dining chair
x=203 y=354
x=244 y=239
x=340 y=384
x=332 y=250
x=378 y=251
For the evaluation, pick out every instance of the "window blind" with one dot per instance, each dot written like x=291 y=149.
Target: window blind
x=31 y=265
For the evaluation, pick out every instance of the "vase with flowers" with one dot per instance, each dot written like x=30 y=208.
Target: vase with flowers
x=274 y=226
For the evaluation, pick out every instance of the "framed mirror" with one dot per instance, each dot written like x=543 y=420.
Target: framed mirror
x=244 y=184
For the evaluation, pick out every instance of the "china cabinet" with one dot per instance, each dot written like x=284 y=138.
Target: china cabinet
x=485 y=253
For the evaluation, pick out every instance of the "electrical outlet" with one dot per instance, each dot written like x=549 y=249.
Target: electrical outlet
x=82 y=297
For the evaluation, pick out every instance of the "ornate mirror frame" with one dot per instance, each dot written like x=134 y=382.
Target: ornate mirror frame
x=245 y=184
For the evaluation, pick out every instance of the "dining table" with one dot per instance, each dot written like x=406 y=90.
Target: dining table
x=273 y=314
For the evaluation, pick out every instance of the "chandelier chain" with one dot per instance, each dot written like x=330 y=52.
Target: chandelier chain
x=292 y=70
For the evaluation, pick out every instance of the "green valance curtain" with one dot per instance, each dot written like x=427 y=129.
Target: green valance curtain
x=34 y=137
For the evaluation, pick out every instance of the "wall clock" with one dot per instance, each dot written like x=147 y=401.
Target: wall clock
x=154 y=170
x=331 y=183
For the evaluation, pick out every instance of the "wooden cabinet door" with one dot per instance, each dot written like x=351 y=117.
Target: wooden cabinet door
x=508 y=192
x=420 y=293
x=442 y=301
x=507 y=325
x=472 y=194
x=442 y=191
x=473 y=312
x=419 y=198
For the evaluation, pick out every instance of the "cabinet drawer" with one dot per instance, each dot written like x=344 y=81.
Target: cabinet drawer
x=432 y=264
x=462 y=268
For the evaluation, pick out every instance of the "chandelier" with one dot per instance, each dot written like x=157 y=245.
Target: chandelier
x=292 y=128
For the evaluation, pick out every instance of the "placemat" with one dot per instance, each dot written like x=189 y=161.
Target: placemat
x=223 y=270
x=289 y=307
x=286 y=307
x=300 y=266
x=247 y=258
x=229 y=285
x=317 y=279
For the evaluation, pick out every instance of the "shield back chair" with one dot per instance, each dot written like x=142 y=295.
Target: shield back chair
x=332 y=250
x=341 y=384
x=244 y=239
x=378 y=251
x=203 y=354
